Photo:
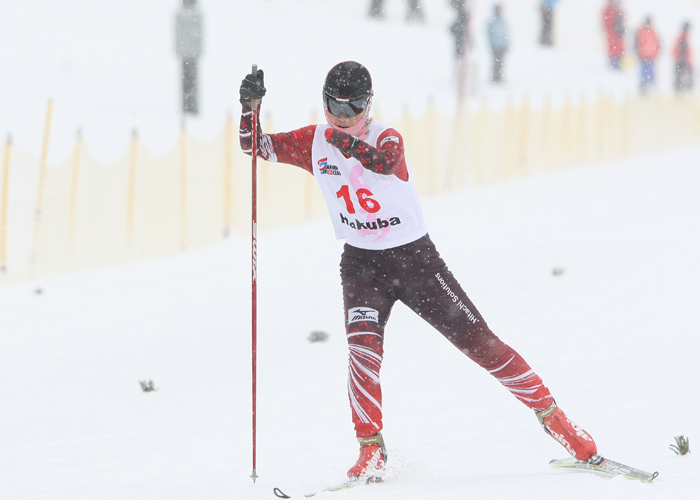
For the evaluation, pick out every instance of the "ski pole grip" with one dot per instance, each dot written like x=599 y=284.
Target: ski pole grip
x=254 y=72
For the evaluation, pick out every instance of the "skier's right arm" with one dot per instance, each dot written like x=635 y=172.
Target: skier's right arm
x=293 y=147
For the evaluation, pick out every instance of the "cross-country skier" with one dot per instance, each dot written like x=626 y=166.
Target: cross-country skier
x=361 y=167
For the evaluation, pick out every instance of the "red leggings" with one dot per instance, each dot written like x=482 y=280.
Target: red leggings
x=373 y=280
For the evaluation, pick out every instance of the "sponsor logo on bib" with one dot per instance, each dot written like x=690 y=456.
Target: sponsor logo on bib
x=325 y=169
x=371 y=225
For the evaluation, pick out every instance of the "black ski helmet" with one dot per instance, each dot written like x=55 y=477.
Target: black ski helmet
x=348 y=80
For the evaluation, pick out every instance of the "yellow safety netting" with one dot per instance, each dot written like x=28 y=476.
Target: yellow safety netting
x=83 y=214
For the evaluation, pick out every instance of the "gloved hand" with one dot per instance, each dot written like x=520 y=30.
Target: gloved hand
x=380 y=162
x=346 y=143
x=252 y=87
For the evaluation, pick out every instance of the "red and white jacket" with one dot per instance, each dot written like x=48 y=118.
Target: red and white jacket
x=366 y=184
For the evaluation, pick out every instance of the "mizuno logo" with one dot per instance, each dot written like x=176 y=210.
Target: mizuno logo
x=357 y=314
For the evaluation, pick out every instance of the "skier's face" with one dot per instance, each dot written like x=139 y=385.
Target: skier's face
x=342 y=121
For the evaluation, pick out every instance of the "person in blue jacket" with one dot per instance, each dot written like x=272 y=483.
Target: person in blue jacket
x=497 y=31
x=547 y=11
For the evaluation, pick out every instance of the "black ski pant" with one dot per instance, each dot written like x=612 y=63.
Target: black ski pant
x=415 y=274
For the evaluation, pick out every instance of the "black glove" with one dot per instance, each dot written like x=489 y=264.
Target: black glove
x=346 y=143
x=252 y=87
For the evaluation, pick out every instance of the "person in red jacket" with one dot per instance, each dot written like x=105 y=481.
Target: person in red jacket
x=683 y=59
x=614 y=28
x=647 y=46
x=388 y=257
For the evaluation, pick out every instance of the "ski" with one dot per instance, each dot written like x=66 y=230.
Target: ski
x=340 y=487
x=603 y=465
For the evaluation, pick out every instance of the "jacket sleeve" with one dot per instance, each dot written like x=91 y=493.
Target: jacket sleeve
x=388 y=158
x=293 y=148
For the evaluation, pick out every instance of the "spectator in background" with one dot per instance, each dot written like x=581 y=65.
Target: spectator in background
x=547 y=11
x=614 y=27
x=415 y=11
x=188 y=46
x=459 y=28
x=376 y=9
x=647 y=47
x=683 y=58
x=497 y=30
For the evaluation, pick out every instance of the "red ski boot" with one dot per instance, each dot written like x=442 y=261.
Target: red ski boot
x=572 y=437
x=370 y=466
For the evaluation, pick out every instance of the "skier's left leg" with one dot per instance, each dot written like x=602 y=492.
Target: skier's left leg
x=430 y=289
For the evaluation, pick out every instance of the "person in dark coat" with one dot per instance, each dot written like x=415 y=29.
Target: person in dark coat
x=459 y=28
x=415 y=11
x=547 y=11
x=188 y=46
x=683 y=59
x=376 y=9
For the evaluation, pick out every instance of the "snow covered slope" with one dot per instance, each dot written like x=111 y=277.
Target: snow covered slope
x=615 y=336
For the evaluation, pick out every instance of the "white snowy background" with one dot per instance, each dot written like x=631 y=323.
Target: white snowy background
x=615 y=336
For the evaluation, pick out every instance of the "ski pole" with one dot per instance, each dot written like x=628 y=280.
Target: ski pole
x=254 y=287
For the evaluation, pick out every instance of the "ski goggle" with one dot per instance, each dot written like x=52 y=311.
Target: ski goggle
x=348 y=107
